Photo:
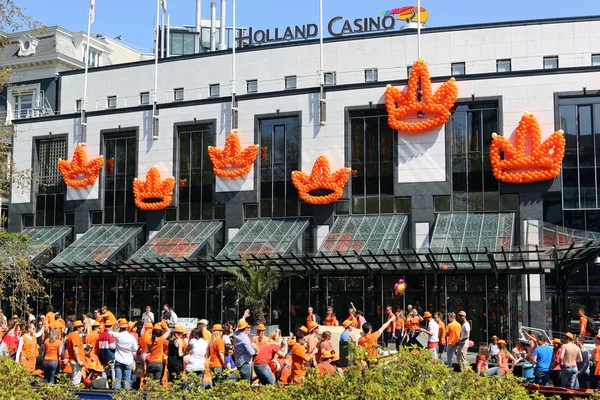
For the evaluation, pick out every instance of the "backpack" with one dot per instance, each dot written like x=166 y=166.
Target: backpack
x=589 y=326
x=317 y=319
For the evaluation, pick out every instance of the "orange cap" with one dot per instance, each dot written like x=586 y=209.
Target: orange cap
x=570 y=335
x=130 y=325
x=77 y=324
x=217 y=327
x=292 y=342
x=157 y=327
x=312 y=325
x=123 y=323
x=304 y=329
x=164 y=324
x=501 y=341
x=96 y=323
x=556 y=341
x=179 y=329
x=346 y=323
x=335 y=357
x=426 y=314
x=242 y=325
x=273 y=336
x=326 y=355
x=148 y=325
x=261 y=327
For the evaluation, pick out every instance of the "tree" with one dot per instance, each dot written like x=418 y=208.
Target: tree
x=253 y=284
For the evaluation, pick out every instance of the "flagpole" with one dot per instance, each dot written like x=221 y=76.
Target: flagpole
x=233 y=90
x=321 y=71
x=419 y=29
x=85 y=75
x=154 y=110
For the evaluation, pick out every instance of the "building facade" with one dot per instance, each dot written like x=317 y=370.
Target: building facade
x=414 y=207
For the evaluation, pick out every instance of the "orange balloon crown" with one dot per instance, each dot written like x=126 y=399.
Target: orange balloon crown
x=80 y=172
x=543 y=161
x=232 y=162
x=432 y=109
x=321 y=178
x=153 y=194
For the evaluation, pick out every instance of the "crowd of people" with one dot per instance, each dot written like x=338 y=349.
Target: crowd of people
x=102 y=351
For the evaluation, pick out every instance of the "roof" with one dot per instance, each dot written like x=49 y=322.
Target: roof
x=43 y=239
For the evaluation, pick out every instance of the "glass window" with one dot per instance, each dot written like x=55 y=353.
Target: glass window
x=145 y=98
x=178 y=94
x=23 y=104
x=372 y=157
x=442 y=204
x=290 y=82
x=408 y=71
x=119 y=173
x=214 y=90
x=458 y=69
x=551 y=62
x=503 y=65
x=111 y=102
x=280 y=144
x=49 y=200
x=196 y=178
x=78 y=105
x=510 y=202
x=371 y=75
x=250 y=211
x=595 y=60
x=330 y=78
x=252 y=86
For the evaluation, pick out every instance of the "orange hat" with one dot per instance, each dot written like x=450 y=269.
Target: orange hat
x=347 y=323
x=130 y=325
x=325 y=355
x=570 y=335
x=109 y=322
x=179 y=329
x=123 y=323
x=217 y=327
x=148 y=325
x=77 y=324
x=292 y=342
x=312 y=325
x=96 y=367
x=261 y=327
x=273 y=336
x=304 y=329
x=157 y=327
x=242 y=325
x=335 y=357
x=501 y=341
x=426 y=314
x=556 y=341
x=96 y=323
x=164 y=324
x=271 y=341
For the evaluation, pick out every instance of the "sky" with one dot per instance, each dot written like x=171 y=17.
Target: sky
x=134 y=19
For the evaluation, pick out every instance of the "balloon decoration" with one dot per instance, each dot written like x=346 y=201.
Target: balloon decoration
x=110 y=165
x=80 y=172
x=321 y=178
x=232 y=162
x=399 y=287
x=432 y=110
x=541 y=163
x=153 y=194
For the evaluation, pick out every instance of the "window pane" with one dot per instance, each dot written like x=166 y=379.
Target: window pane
x=442 y=204
x=459 y=130
x=568 y=123
x=585 y=131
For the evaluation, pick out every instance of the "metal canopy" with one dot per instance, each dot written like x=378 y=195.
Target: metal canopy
x=177 y=241
x=43 y=239
x=265 y=237
x=96 y=246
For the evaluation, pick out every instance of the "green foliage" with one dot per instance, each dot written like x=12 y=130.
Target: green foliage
x=17 y=383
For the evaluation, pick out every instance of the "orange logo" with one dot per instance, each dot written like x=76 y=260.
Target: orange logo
x=80 y=172
x=543 y=161
x=232 y=162
x=321 y=178
x=433 y=110
x=153 y=194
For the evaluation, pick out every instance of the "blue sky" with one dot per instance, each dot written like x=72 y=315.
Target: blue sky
x=134 y=19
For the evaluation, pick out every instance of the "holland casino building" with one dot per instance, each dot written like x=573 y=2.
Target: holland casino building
x=424 y=207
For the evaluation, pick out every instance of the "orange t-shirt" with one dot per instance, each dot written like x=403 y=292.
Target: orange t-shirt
x=74 y=340
x=442 y=332
x=326 y=368
x=144 y=339
x=330 y=320
x=50 y=318
x=399 y=324
x=597 y=359
x=156 y=350
x=354 y=321
x=453 y=330
x=110 y=318
x=217 y=347
x=370 y=342
x=92 y=359
x=390 y=327
x=309 y=318
x=298 y=361
x=582 y=325
x=92 y=340
x=53 y=350
x=413 y=323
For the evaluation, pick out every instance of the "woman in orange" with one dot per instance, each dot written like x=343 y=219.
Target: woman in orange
x=260 y=339
x=155 y=348
x=27 y=350
x=503 y=357
x=597 y=358
x=52 y=350
x=330 y=319
x=217 y=353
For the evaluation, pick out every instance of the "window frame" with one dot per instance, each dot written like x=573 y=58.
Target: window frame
x=57 y=190
x=142 y=95
x=595 y=60
x=332 y=78
x=551 y=59
x=252 y=83
x=371 y=75
x=214 y=87
x=506 y=61
x=458 y=65
x=176 y=92
x=108 y=102
x=287 y=81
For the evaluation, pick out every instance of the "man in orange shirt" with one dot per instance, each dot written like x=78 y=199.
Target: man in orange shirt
x=300 y=358
x=75 y=352
x=49 y=315
x=583 y=320
x=108 y=318
x=442 y=333
x=452 y=336
x=389 y=331
x=92 y=337
x=369 y=339
x=597 y=358
x=144 y=337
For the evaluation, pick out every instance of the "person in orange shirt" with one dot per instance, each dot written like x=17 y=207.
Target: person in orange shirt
x=389 y=331
x=399 y=330
x=27 y=350
x=352 y=317
x=311 y=316
x=442 y=333
x=597 y=358
x=369 y=339
x=92 y=337
x=75 y=352
x=312 y=342
x=50 y=315
x=413 y=324
x=217 y=353
x=89 y=356
x=144 y=336
x=300 y=358
x=330 y=319
x=107 y=316
x=325 y=367
x=452 y=336
x=155 y=348
x=53 y=348
x=583 y=321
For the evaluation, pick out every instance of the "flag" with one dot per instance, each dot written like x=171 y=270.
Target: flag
x=92 y=10
x=163 y=5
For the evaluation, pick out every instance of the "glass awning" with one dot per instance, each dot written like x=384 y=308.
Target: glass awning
x=177 y=241
x=44 y=239
x=99 y=244
x=265 y=237
x=458 y=232
x=364 y=234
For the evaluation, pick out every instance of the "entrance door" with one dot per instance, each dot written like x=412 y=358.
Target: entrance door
x=473 y=303
x=145 y=292
x=341 y=291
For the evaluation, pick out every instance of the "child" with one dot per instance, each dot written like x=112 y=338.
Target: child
x=229 y=363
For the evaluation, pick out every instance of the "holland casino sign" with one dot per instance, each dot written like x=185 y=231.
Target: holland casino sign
x=336 y=27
